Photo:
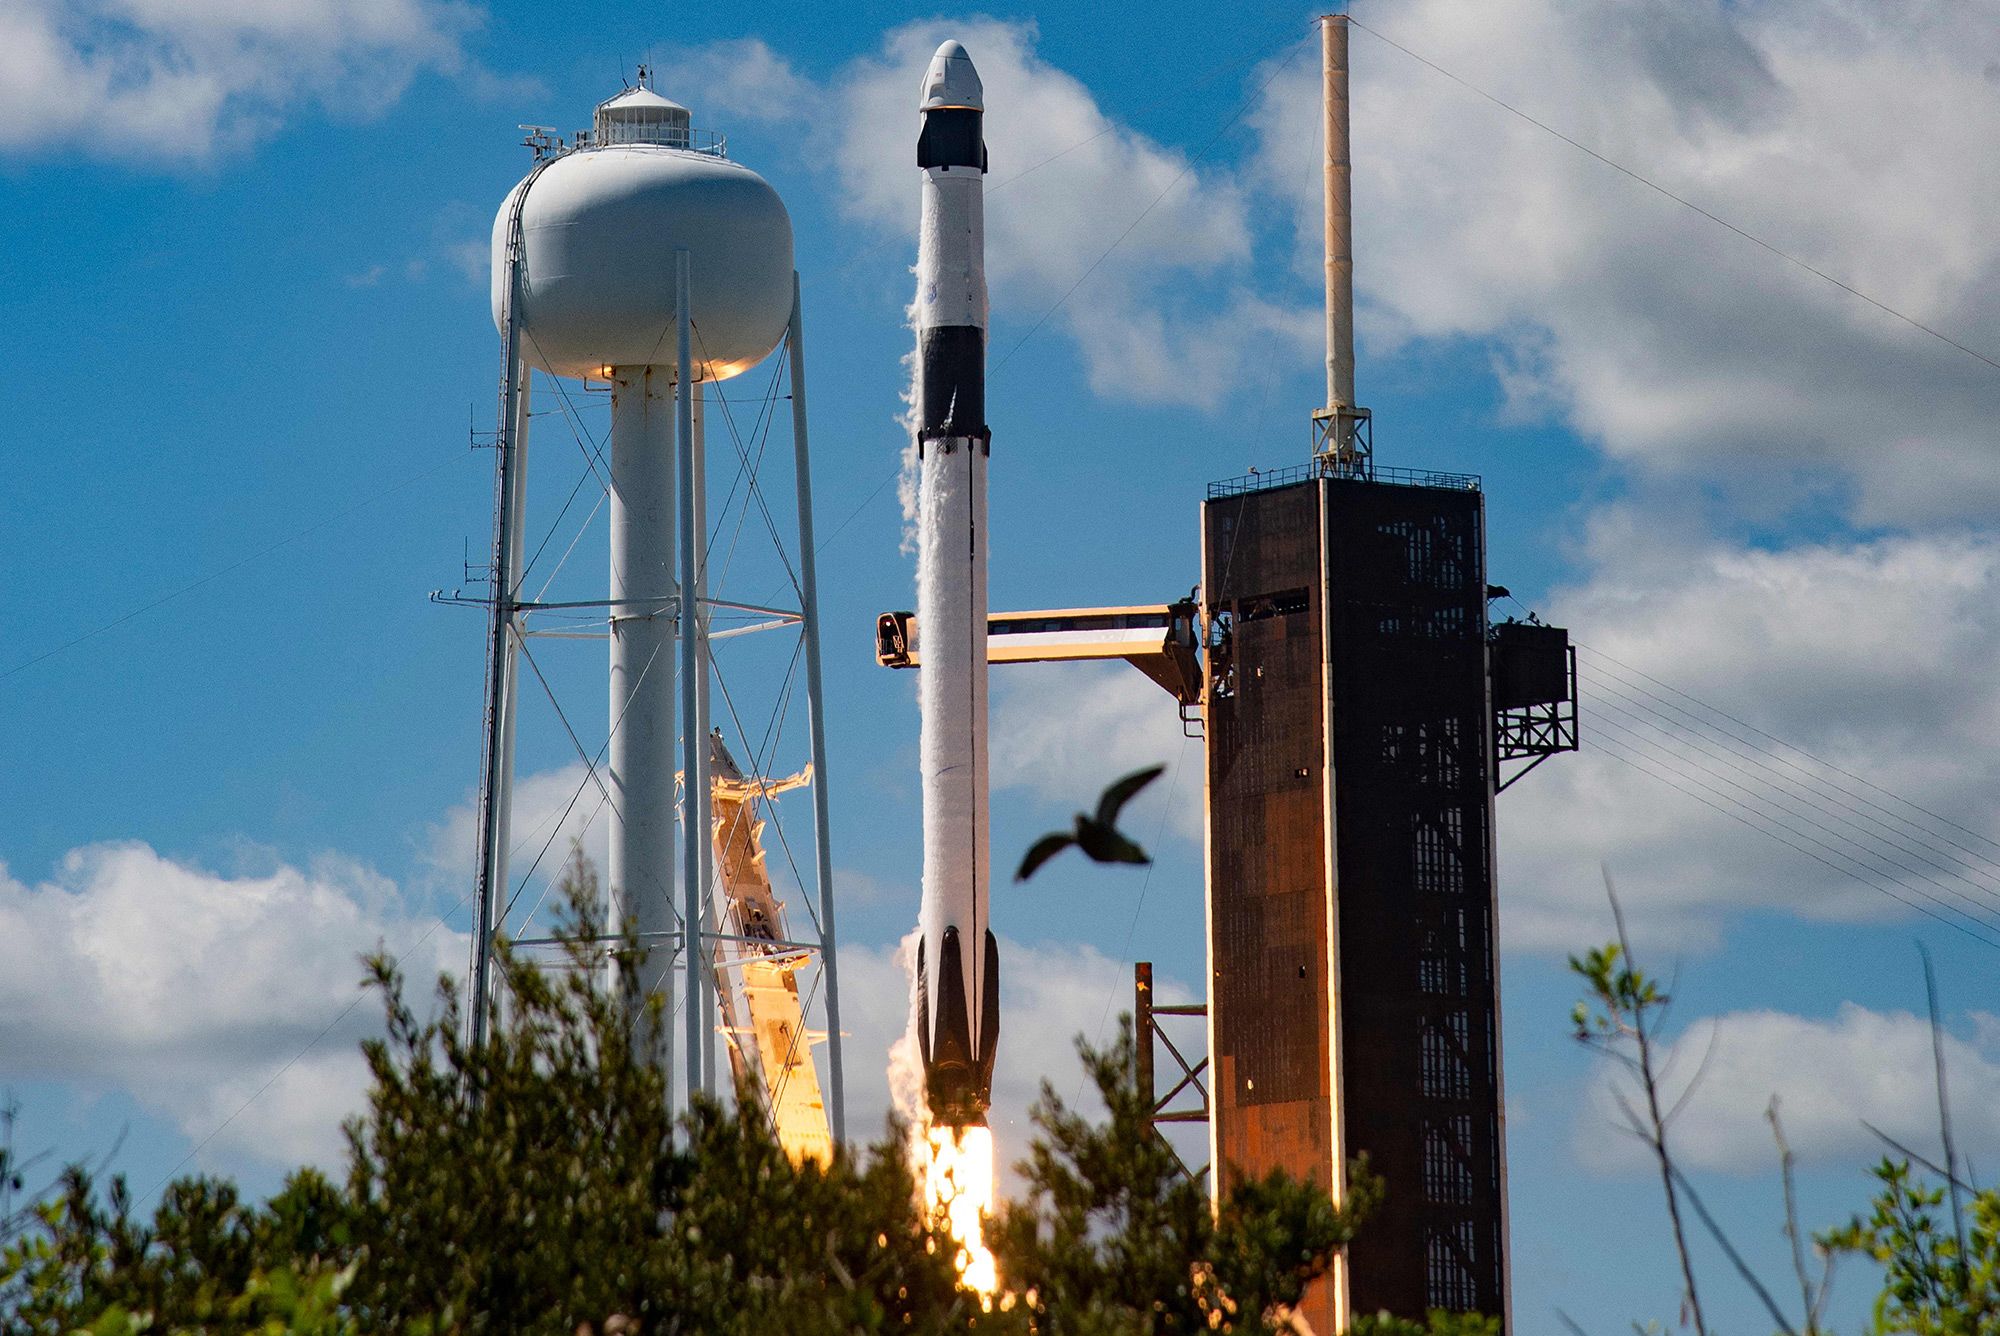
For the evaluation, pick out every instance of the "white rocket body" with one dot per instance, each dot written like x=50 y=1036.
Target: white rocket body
x=958 y=961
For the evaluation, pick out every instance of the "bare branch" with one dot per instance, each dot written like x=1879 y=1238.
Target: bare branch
x=1735 y=1258
x=1785 y=1161
x=1944 y=1120
x=1642 y=1041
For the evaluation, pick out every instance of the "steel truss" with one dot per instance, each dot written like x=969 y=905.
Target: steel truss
x=1147 y=1032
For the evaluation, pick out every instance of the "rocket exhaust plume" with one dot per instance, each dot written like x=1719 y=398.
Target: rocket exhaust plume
x=957 y=984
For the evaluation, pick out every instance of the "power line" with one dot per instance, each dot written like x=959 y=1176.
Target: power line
x=1617 y=753
x=1785 y=816
x=1806 y=787
x=235 y=565
x=1681 y=200
x=1817 y=760
x=1812 y=791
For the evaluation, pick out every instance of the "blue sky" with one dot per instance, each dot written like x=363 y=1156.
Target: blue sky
x=246 y=330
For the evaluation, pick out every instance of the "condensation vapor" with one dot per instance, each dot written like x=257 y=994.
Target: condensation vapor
x=907 y=479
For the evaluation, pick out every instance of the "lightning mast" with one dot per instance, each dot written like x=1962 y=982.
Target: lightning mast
x=1342 y=443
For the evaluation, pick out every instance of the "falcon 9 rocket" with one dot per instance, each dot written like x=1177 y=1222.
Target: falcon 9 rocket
x=958 y=963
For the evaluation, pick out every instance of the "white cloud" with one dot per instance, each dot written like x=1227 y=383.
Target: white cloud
x=1170 y=314
x=1830 y=1077
x=1071 y=730
x=1852 y=136
x=182 y=81
x=1872 y=655
x=553 y=809
x=191 y=989
x=1683 y=351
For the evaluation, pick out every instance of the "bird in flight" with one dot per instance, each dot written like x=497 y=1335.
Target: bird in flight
x=1098 y=836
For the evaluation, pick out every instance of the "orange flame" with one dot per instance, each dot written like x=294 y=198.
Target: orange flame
x=958 y=1185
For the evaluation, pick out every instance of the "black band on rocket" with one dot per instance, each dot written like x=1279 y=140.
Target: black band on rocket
x=951 y=395
x=951 y=137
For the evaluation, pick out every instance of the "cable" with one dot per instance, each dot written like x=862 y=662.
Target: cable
x=1634 y=741
x=1802 y=789
x=1616 y=754
x=575 y=538
x=555 y=524
x=1817 y=760
x=238 y=564
x=1890 y=835
x=1681 y=200
x=752 y=489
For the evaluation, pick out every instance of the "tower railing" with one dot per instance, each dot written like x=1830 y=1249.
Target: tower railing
x=1260 y=480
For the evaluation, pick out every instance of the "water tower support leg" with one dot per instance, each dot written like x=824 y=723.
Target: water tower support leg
x=702 y=831
x=694 y=797
x=496 y=779
x=816 y=702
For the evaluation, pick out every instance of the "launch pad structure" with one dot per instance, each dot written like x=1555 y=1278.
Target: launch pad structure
x=1357 y=705
x=1351 y=773
x=1359 y=711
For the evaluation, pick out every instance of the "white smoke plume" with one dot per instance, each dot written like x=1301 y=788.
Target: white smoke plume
x=907 y=479
x=906 y=1067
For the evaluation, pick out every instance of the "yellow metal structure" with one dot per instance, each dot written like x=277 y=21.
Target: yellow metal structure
x=756 y=965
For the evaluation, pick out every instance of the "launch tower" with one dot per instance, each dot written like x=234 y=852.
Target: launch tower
x=1357 y=706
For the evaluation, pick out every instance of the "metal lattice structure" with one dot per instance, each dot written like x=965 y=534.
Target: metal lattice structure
x=1534 y=697
x=1186 y=1100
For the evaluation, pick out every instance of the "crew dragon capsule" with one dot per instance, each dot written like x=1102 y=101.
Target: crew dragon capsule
x=958 y=962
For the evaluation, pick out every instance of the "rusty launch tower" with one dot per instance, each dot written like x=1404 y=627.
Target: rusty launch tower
x=1358 y=707
x=1354 y=740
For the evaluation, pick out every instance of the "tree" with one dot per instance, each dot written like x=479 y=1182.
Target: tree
x=539 y=1183
x=1114 y=1238
x=1929 y=1287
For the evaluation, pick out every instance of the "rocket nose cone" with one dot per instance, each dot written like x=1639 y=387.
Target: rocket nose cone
x=951 y=81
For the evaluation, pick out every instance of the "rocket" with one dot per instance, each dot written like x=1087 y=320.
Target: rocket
x=958 y=962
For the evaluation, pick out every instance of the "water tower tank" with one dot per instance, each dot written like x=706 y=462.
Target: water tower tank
x=600 y=227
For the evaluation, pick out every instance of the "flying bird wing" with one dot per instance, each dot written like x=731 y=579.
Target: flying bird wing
x=1115 y=848
x=1120 y=793
x=1044 y=849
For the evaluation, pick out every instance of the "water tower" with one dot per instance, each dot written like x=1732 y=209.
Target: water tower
x=641 y=256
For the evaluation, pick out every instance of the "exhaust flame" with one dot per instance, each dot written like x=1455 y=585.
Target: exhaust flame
x=958 y=1185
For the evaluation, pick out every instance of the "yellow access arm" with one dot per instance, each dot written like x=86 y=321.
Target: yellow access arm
x=756 y=966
